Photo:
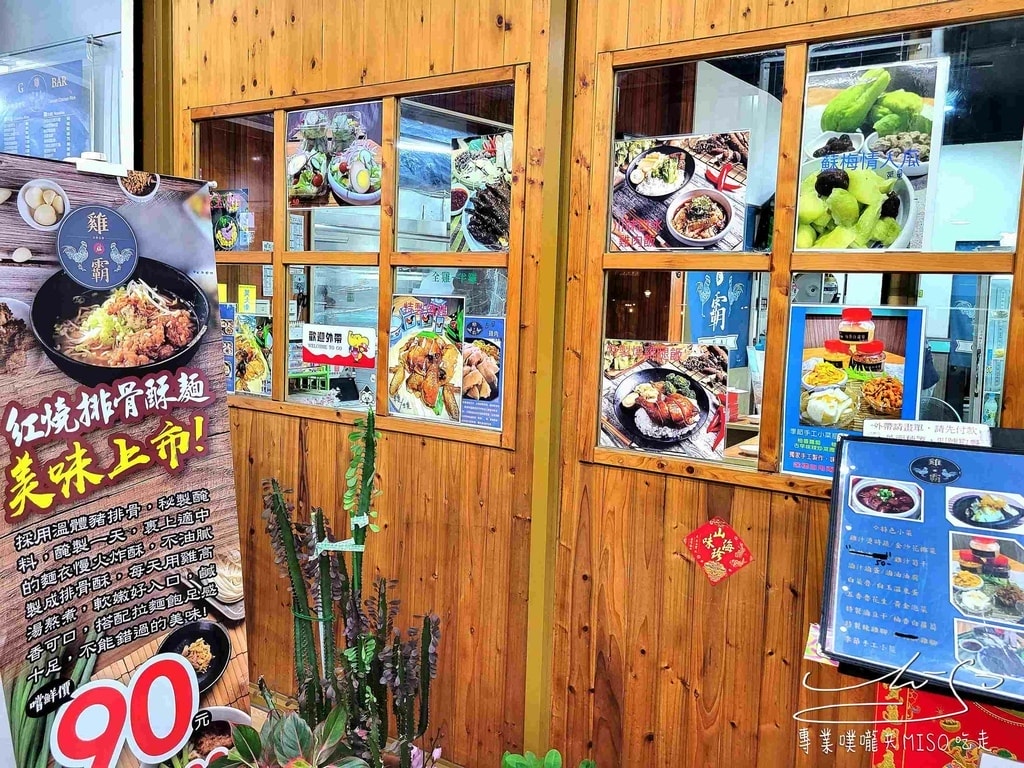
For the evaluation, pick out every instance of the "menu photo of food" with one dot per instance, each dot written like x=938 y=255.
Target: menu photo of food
x=989 y=510
x=845 y=365
x=481 y=196
x=252 y=355
x=334 y=156
x=425 y=357
x=987 y=577
x=678 y=192
x=232 y=219
x=664 y=397
x=886 y=498
x=870 y=136
x=993 y=650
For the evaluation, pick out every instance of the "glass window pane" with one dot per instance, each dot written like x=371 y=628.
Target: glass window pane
x=237 y=153
x=885 y=346
x=447 y=348
x=696 y=154
x=334 y=177
x=683 y=362
x=455 y=180
x=332 y=339
x=921 y=135
x=245 y=297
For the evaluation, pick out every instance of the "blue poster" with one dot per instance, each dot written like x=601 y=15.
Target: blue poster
x=845 y=365
x=719 y=311
x=483 y=379
x=926 y=564
x=45 y=112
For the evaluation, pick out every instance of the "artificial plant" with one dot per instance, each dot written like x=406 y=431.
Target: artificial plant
x=348 y=684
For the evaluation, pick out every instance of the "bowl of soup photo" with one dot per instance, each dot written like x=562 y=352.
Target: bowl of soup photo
x=885 y=498
x=154 y=322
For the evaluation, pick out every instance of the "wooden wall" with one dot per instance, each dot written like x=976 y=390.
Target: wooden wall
x=652 y=664
x=457 y=517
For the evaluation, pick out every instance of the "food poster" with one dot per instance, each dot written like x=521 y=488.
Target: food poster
x=425 y=362
x=928 y=729
x=664 y=398
x=925 y=565
x=483 y=380
x=334 y=156
x=233 y=222
x=871 y=135
x=481 y=196
x=46 y=112
x=719 y=311
x=119 y=540
x=253 y=344
x=227 y=339
x=845 y=365
x=676 y=192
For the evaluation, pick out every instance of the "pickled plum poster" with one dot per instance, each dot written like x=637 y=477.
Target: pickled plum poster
x=119 y=540
x=845 y=365
x=871 y=136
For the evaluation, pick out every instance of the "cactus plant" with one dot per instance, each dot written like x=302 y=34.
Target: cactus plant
x=376 y=664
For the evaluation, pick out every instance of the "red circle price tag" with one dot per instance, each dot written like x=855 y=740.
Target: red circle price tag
x=152 y=715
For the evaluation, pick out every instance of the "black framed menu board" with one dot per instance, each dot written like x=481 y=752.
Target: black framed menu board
x=926 y=564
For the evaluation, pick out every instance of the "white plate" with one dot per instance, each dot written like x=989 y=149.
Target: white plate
x=472 y=242
x=26 y=212
x=918 y=170
x=19 y=309
x=859 y=482
x=856 y=138
x=752 y=450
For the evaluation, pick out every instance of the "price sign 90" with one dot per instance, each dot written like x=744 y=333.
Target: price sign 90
x=152 y=715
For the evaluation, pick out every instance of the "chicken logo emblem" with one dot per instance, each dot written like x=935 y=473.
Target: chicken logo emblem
x=97 y=247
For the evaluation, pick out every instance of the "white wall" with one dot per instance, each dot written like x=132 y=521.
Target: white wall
x=725 y=103
x=31 y=23
x=978 y=186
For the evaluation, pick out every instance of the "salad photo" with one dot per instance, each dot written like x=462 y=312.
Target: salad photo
x=334 y=156
x=870 y=134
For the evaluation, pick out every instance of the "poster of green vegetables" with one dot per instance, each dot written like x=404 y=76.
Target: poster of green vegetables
x=871 y=137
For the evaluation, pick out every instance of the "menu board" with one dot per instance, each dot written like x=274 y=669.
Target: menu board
x=674 y=192
x=45 y=112
x=121 y=602
x=926 y=564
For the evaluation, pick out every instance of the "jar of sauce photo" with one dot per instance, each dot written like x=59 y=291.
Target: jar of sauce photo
x=856 y=326
x=837 y=353
x=869 y=356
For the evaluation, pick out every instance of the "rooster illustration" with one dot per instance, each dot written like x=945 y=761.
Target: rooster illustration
x=120 y=257
x=735 y=291
x=78 y=256
x=704 y=292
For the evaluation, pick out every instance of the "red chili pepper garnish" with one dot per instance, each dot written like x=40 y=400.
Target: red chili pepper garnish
x=721 y=180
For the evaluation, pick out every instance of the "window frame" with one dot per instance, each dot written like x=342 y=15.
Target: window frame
x=387 y=259
x=783 y=260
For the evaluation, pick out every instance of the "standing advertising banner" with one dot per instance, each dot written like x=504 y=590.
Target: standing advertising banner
x=122 y=620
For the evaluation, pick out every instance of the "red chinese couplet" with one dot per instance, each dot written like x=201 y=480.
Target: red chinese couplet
x=718 y=550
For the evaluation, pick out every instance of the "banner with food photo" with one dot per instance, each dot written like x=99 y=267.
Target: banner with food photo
x=871 y=134
x=675 y=192
x=119 y=540
x=664 y=397
x=845 y=365
x=425 y=361
x=252 y=350
x=483 y=385
x=481 y=197
x=334 y=156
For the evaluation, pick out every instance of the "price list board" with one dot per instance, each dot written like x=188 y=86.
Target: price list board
x=926 y=564
x=45 y=112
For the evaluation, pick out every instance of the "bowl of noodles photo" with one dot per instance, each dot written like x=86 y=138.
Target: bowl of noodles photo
x=154 y=322
x=699 y=217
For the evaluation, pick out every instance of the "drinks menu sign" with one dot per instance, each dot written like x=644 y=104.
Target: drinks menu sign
x=926 y=564
x=122 y=637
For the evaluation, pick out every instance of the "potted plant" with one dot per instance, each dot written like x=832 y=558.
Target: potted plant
x=553 y=759
x=348 y=690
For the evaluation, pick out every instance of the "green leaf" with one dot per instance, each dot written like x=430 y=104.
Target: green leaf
x=514 y=761
x=230 y=760
x=352 y=762
x=248 y=745
x=588 y=764
x=553 y=759
x=294 y=739
x=334 y=729
x=374 y=527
